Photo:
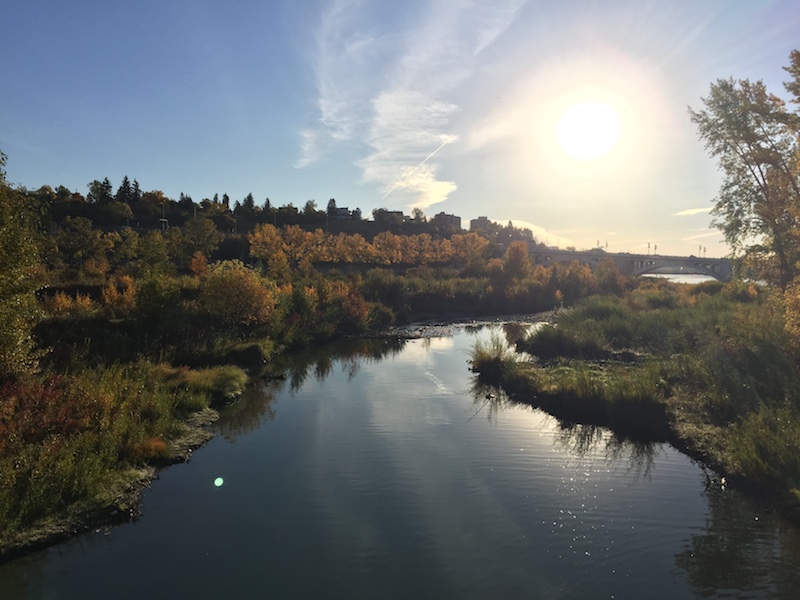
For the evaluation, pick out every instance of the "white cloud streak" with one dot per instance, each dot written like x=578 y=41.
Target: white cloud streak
x=692 y=211
x=396 y=93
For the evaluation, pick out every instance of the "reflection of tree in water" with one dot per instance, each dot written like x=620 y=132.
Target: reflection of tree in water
x=489 y=399
x=350 y=354
x=582 y=440
x=512 y=330
x=577 y=439
x=515 y=332
x=255 y=405
x=760 y=554
x=24 y=577
x=249 y=411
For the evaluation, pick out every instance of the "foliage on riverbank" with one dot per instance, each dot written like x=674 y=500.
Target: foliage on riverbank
x=65 y=438
x=711 y=368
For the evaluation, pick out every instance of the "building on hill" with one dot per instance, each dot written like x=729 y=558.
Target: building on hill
x=445 y=220
x=340 y=214
x=479 y=224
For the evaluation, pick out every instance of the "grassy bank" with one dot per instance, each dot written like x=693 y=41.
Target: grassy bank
x=710 y=368
x=77 y=446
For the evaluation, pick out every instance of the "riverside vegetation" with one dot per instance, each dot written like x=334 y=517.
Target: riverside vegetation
x=711 y=368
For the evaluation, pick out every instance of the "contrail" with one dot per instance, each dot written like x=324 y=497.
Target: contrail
x=415 y=169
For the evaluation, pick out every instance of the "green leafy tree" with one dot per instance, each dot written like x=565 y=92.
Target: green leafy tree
x=100 y=192
x=78 y=242
x=153 y=254
x=199 y=234
x=19 y=258
x=754 y=139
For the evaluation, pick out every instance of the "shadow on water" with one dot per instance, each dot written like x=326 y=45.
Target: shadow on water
x=349 y=354
x=249 y=412
x=256 y=405
x=758 y=554
x=575 y=438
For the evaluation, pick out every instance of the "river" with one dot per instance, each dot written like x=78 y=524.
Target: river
x=378 y=469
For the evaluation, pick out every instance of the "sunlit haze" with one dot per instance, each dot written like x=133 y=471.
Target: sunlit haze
x=588 y=130
x=566 y=117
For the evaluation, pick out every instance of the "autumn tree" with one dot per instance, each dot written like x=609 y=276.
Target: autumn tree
x=517 y=262
x=267 y=245
x=469 y=248
x=236 y=294
x=754 y=139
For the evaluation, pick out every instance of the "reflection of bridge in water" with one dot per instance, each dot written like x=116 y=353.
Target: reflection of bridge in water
x=641 y=264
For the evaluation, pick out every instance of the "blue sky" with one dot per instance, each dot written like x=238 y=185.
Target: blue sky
x=445 y=105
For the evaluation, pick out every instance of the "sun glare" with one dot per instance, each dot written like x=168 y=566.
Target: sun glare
x=588 y=130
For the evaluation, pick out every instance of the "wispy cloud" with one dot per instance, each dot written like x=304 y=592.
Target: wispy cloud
x=692 y=211
x=395 y=92
x=701 y=236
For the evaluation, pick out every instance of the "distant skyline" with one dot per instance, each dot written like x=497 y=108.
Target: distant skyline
x=445 y=105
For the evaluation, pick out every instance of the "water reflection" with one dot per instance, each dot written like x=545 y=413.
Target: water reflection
x=382 y=481
x=742 y=548
x=320 y=361
x=249 y=411
x=513 y=331
x=256 y=404
x=583 y=440
x=575 y=438
x=488 y=399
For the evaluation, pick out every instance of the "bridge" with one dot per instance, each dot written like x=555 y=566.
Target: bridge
x=641 y=264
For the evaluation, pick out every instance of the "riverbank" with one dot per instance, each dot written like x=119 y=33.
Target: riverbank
x=710 y=369
x=120 y=500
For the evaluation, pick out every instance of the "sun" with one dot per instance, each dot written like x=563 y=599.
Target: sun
x=588 y=130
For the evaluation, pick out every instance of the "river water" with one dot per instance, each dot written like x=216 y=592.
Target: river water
x=379 y=469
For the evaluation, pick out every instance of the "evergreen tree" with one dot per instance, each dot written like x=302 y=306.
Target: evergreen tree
x=125 y=191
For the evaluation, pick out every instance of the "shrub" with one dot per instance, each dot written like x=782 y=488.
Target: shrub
x=234 y=293
x=550 y=342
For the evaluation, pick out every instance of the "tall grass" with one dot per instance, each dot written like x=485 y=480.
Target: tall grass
x=493 y=358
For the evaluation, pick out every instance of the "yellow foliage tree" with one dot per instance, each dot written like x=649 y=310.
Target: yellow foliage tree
x=236 y=294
